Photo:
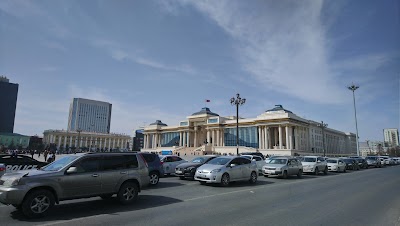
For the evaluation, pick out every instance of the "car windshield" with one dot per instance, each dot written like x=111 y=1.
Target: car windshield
x=246 y=156
x=331 y=161
x=59 y=164
x=198 y=160
x=278 y=161
x=348 y=160
x=219 y=161
x=371 y=158
x=309 y=159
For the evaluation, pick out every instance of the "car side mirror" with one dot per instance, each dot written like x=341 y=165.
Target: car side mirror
x=232 y=165
x=72 y=170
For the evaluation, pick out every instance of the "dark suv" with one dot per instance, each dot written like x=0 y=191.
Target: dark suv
x=155 y=167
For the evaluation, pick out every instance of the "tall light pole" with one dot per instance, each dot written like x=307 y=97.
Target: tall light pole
x=354 y=88
x=323 y=125
x=238 y=101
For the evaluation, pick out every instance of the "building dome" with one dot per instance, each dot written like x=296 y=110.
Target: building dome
x=279 y=107
x=205 y=110
x=158 y=123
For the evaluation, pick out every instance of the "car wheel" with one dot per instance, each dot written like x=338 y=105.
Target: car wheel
x=225 y=180
x=253 y=178
x=326 y=171
x=285 y=174
x=154 y=178
x=128 y=193
x=37 y=203
x=316 y=171
x=344 y=171
x=300 y=174
x=181 y=178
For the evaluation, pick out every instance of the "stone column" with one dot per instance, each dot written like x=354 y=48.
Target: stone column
x=218 y=144
x=70 y=141
x=65 y=142
x=259 y=137
x=296 y=140
x=188 y=138
x=195 y=138
x=208 y=137
x=266 y=132
x=280 y=136
x=287 y=136
x=180 y=139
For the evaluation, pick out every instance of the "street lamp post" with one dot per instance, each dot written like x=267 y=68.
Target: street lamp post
x=323 y=125
x=354 y=88
x=237 y=101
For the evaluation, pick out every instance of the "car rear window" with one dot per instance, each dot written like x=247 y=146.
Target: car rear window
x=309 y=160
x=149 y=157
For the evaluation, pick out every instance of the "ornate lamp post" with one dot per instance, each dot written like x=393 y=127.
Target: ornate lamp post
x=238 y=101
x=323 y=125
x=354 y=88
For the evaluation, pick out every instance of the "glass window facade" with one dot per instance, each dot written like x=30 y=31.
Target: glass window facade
x=213 y=120
x=169 y=139
x=248 y=136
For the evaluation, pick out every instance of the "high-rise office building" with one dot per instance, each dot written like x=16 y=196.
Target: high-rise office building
x=89 y=116
x=8 y=104
x=391 y=137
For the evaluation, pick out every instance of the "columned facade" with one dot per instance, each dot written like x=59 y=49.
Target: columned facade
x=69 y=140
x=276 y=131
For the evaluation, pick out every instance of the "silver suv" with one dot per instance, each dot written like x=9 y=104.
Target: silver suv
x=314 y=164
x=83 y=175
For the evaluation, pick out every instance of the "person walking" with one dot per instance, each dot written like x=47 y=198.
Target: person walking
x=45 y=155
x=32 y=153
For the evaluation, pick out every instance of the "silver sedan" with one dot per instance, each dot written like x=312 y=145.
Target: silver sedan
x=225 y=169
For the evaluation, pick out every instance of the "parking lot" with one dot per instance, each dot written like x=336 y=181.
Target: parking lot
x=365 y=197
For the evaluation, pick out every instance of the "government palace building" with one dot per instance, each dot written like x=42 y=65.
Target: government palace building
x=275 y=132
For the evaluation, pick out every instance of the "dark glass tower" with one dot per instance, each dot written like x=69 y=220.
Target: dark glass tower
x=8 y=104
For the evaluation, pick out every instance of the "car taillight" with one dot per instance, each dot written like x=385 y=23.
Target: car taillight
x=161 y=163
x=2 y=168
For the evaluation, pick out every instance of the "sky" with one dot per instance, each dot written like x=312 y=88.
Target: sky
x=160 y=60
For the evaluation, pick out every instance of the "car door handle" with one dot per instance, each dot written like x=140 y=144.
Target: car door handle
x=95 y=175
x=123 y=172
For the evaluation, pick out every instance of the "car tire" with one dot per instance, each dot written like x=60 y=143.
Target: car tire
x=128 y=193
x=285 y=175
x=154 y=178
x=37 y=203
x=253 y=178
x=181 y=178
x=300 y=174
x=225 y=180
x=344 y=171
x=316 y=171
x=108 y=196
x=326 y=171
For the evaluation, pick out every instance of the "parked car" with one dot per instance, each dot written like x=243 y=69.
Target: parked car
x=155 y=166
x=253 y=153
x=373 y=161
x=226 y=169
x=283 y=167
x=170 y=162
x=82 y=175
x=362 y=163
x=188 y=169
x=2 y=169
x=336 y=165
x=351 y=164
x=20 y=162
x=384 y=162
x=259 y=162
x=314 y=164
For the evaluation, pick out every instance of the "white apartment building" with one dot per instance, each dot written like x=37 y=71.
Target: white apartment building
x=89 y=116
x=391 y=137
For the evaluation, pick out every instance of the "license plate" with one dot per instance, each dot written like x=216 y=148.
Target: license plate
x=202 y=176
x=178 y=171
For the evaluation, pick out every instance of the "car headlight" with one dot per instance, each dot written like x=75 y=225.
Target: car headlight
x=215 y=171
x=11 y=182
x=278 y=169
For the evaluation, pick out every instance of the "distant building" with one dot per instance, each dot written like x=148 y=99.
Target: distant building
x=66 y=140
x=14 y=140
x=8 y=104
x=277 y=131
x=391 y=137
x=89 y=116
x=138 y=140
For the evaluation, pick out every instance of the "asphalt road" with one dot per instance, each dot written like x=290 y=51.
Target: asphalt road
x=365 y=197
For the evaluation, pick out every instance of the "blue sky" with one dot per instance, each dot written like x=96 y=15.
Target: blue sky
x=161 y=60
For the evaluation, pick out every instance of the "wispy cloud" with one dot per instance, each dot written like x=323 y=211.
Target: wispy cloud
x=117 y=53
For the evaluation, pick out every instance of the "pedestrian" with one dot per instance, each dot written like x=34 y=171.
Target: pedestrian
x=50 y=158
x=45 y=155
x=32 y=153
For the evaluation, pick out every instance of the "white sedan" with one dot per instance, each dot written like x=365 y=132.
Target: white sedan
x=336 y=165
x=169 y=163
